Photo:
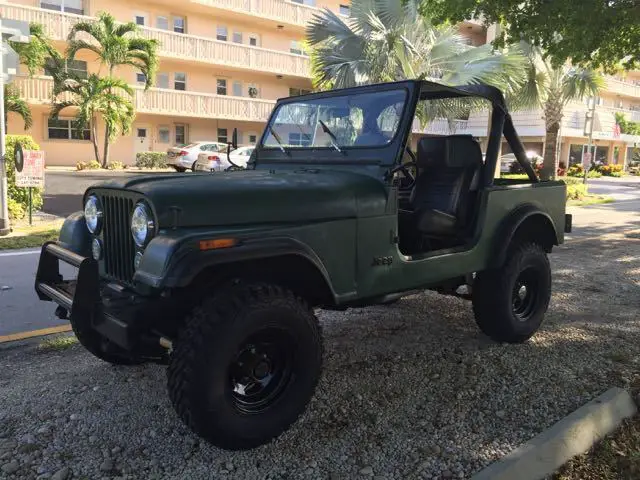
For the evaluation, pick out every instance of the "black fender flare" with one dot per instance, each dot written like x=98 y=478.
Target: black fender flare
x=187 y=262
x=75 y=236
x=509 y=226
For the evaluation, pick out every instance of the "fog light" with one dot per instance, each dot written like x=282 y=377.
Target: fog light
x=96 y=249
x=137 y=260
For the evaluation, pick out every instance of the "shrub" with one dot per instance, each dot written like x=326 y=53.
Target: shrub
x=116 y=166
x=594 y=174
x=16 y=210
x=576 y=170
x=576 y=191
x=19 y=196
x=151 y=160
x=81 y=166
x=93 y=165
x=611 y=170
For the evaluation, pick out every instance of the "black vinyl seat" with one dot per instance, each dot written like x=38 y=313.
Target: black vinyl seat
x=447 y=167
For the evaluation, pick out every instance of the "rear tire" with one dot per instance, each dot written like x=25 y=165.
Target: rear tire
x=100 y=347
x=180 y=169
x=246 y=365
x=510 y=302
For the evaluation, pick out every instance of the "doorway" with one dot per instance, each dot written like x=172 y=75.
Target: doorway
x=142 y=138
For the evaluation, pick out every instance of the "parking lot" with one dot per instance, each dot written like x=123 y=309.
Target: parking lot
x=408 y=391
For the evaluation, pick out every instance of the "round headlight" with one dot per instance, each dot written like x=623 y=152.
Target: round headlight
x=142 y=225
x=96 y=249
x=93 y=214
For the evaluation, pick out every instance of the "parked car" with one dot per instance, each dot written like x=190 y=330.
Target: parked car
x=183 y=158
x=217 y=161
x=507 y=160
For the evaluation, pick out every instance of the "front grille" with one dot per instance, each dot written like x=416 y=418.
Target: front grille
x=119 y=248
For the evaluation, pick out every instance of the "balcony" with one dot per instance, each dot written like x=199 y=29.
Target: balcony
x=441 y=126
x=623 y=88
x=176 y=45
x=283 y=11
x=176 y=103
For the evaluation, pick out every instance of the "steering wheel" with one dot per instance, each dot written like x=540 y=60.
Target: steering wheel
x=406 y=172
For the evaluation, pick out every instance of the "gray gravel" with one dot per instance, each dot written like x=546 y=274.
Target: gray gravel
x=410 y=391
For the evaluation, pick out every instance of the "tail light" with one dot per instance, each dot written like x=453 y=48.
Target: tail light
x=214 y=158
x=183 y=153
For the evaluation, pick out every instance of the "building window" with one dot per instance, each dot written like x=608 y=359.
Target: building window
x=181 y=134
x=141 y=78
x=162 y=80
x=76 y=67
x=221 y=33
x=253 y=138
x=237 y=89
x=300 y=139
x=237 y=37
x=164 y=135
x=180 y=81
x=179 y=24
x=222 y=135
x=64 y=129
x=254 y=41
x=70 y=6
x=140 y=19
x=296 y=47
x=294 y=92
x=162 y=23
x=221 y=86
x=345 y=10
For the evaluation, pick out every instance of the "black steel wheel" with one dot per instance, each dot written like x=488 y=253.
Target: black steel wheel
x=246 y=365
x=510 y=302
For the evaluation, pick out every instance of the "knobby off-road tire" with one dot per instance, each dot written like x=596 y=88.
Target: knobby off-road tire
x=99 y=346
x=246 y=365
x=510 y=302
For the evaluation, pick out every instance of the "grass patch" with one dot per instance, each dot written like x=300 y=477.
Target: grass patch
x=29 y=237
x=57 y=343
x=590 y=200
x=614 y=458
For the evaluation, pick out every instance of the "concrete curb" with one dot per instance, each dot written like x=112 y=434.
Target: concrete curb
x=571 y=436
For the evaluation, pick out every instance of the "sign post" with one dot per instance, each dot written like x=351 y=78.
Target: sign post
x=29 y=172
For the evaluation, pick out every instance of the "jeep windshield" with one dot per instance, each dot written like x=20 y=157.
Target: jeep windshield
x=336 y=122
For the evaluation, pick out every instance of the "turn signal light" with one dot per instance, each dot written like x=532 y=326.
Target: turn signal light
x=214 y=158
x=217 y=243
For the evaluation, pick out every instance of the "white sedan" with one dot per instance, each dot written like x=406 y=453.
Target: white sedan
x=184 y=158
x=217 y=161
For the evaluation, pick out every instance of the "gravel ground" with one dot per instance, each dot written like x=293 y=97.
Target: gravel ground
x=410 y=391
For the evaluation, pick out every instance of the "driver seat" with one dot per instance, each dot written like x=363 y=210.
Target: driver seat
x=441 y=197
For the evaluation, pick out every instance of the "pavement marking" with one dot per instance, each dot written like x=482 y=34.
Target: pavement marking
x=22 y=252
x=34 y=333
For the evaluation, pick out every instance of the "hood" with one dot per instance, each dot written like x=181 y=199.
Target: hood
x=258 y=196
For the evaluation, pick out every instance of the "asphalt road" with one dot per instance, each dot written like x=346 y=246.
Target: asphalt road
x=20 y=309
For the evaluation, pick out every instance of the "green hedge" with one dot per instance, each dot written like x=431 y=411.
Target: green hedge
x=151 y=160
x=19 y=197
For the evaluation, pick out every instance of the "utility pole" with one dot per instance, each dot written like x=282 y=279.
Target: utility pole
x=588 y=132
x=16 y=32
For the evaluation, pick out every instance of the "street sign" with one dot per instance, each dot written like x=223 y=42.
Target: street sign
x=587 y=159
x=32 y=174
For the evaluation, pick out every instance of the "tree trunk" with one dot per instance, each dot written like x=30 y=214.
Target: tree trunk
x=107 y=144
x=549 y=167
x=94 y=140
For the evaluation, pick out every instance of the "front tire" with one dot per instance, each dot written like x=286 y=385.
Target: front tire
x=99 y=346
x=246 y=365
x=180 y=169
x=510 y=302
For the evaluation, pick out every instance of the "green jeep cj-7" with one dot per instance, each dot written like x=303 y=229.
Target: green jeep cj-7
x=219 y=274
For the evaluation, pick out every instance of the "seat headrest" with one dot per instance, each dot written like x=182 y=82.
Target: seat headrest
x=456 y=151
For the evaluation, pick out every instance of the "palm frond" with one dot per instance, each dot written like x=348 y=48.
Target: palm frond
x=14 y=103
x=579 y=83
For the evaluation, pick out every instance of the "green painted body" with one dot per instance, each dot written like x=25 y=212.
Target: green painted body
x=337 y=217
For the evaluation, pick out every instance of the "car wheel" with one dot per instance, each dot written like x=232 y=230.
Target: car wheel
x=99 y=346
x=180 y=169
x=193 y=166
x=246 y=365
x=510 y=302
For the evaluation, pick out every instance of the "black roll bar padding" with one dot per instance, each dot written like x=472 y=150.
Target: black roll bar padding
x=493 y=145
x=518 y=149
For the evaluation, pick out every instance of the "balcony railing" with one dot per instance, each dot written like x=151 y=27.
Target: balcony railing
x=176 y=45
x=279 y=10
x=441 y=126
x=623 y=88
x=37 y=90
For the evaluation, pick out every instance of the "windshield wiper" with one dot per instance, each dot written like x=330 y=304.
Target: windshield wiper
x=278 y=139
x=334 y=139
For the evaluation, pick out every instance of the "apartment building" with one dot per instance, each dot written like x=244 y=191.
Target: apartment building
x=223 y=63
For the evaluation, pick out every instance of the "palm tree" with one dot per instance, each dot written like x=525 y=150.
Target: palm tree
x=115 y=44
x=388 y=40
x=95 y=96
x=13 y=103
x=35 y=54
x=551 y=88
